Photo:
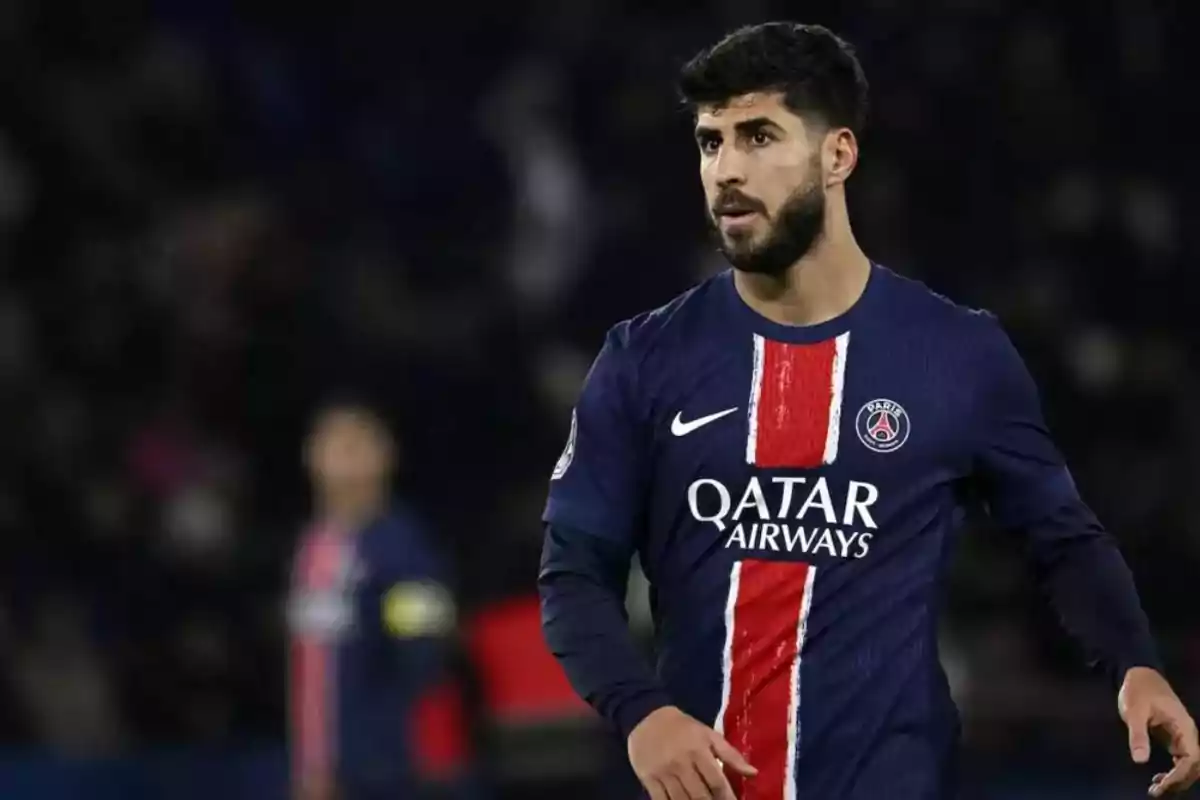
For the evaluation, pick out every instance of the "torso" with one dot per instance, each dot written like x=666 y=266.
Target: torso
x=796 y=539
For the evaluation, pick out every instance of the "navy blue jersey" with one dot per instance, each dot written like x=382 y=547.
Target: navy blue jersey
x=793 y=494
x=368 y=612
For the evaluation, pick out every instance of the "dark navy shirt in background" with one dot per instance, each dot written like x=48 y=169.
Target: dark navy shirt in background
x=369 y=613
x=793 y=495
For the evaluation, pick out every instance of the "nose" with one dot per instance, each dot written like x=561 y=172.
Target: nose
x=729 y=169
x=729 y=181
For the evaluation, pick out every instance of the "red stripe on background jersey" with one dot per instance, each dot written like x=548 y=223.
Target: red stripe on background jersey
x=310 y=709
x=765 y=619
x=796 y=402
x=314 y=668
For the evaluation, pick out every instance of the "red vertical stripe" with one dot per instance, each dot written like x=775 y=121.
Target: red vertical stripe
x=793 y=409
x=313 y=668
x=767 y=607
x=793 y=403
x=310 y=664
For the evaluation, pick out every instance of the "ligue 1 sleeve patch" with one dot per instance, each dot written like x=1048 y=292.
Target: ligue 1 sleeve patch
x=568 y=453
x=417 y=608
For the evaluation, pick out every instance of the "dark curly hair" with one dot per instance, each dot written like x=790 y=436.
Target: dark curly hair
x=817 y=72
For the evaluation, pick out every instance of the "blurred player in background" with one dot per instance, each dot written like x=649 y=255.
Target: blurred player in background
x=789 y=447
x=370 y=616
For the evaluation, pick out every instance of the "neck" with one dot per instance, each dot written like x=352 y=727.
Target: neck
x=822 y=285
x=350 y=510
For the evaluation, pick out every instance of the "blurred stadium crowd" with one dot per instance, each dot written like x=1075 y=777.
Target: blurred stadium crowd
x=209 y=218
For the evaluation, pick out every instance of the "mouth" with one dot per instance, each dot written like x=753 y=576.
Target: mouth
x=734 y=216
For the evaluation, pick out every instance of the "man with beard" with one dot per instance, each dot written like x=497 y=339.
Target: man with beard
x=788 y=447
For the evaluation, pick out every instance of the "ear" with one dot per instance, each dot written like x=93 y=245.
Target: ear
x=840 y=156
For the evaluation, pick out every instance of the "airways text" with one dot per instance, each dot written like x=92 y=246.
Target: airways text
x=773 y=517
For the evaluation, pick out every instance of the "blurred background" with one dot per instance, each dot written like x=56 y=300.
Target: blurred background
x=212 y=212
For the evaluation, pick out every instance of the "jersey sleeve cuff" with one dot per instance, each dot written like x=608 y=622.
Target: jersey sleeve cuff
x=1146 y=657
x=629 y=714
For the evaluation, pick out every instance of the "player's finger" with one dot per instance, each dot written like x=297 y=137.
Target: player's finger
x=714 y=778
x=1180 y=778
x=1185 y=748
x=1172 y=781
x=729 y=755
x=675 y=789
x=1185 y=740
x=1139 y=739
x=655 y=789
x=693 y=784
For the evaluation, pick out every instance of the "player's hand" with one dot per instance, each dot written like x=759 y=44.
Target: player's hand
x=1149 y=706
x=679 y=758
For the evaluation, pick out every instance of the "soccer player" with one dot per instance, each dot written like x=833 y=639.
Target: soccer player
x=788 y=446
x=369 y=615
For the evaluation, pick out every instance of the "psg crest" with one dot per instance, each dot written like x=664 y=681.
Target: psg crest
x=882 y=425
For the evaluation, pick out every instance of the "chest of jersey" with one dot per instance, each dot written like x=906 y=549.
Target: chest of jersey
x=333 y=596
x=803 y=450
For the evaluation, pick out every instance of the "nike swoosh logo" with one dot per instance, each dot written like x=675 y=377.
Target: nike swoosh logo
x=681 y=428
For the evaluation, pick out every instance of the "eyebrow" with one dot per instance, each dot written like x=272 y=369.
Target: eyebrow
x=745 y=128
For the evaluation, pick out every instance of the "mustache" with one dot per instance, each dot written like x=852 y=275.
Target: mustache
x=732 y=201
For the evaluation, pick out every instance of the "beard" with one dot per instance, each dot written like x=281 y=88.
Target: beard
x=796 y=229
